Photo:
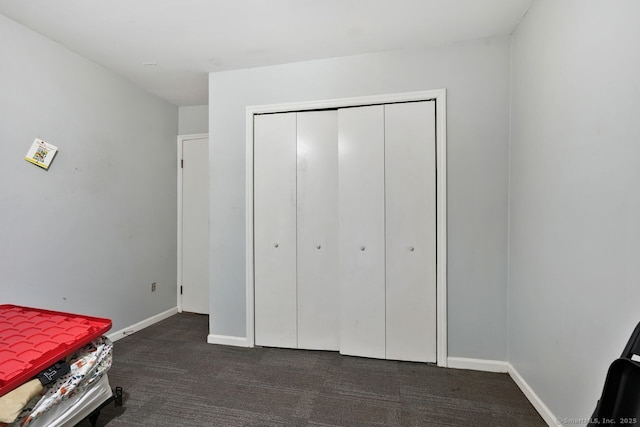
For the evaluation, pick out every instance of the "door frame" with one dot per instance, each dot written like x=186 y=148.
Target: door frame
x=181 y=139
x=440 y=97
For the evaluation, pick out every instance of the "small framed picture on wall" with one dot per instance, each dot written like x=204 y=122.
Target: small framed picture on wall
x=41 y=153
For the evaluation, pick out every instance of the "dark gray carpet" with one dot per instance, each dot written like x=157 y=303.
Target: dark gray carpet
x=171 y=377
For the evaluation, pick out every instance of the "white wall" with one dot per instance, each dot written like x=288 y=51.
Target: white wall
x=93 y=232
x=476 y=75
x=193 y=119
x=575 y=203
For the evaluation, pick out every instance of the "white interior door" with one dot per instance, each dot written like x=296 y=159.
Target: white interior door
x=361 y=231
x=195 y=225
x=410 y=199
x=275 y=230
x=317 y=230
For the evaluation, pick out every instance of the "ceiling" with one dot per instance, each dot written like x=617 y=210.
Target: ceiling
x=168 y=47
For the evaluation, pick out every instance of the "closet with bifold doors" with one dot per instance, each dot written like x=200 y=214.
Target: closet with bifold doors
x=345 y=230
x=296 y=230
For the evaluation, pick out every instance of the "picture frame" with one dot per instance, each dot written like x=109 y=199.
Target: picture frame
x=41 y=153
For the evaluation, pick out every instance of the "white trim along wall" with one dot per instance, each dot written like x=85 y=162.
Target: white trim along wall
x=441 y=199
x=132 y=329
x=506 y=367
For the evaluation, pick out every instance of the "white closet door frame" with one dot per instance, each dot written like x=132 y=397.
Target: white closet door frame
x=439 y=96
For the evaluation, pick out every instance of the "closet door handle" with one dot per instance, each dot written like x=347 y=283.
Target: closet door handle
x=411 y=248
x=318 y=247
x=362 y=248
x=275 y=245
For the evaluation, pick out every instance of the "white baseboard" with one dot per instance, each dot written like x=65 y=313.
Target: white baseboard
x=477 y=364
x=500 y=366
x=115 y=336
x=228 y=340
x=535 y=400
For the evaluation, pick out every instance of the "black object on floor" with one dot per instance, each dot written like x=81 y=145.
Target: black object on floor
x=620 y=400
x=116 y=398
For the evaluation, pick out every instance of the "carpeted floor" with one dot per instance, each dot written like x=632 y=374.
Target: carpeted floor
x=172 y=377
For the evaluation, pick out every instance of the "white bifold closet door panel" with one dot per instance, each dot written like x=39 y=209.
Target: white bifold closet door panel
x=361 y=231
x=275 y=229
x=410 y=196
x=317 y=200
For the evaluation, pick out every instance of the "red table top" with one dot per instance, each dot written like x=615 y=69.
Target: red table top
x=32 y=339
